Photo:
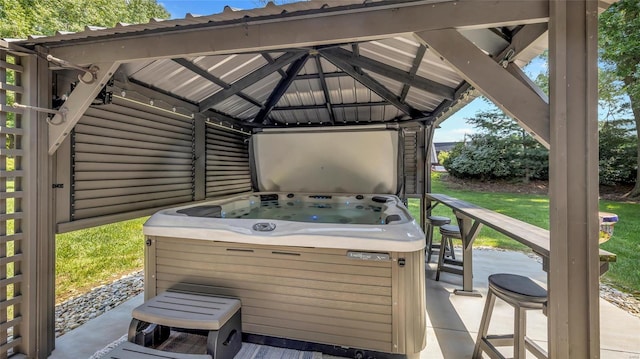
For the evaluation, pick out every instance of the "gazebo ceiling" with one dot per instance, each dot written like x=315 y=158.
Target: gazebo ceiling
x=385 y=78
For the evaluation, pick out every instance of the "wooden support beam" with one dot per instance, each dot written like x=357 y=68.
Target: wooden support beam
x=506 y=91
x=372 y=84
x=79 y=100
x=339 y=24
x=391 y=72
x=250 y=79
x=281 y=88
x=574 y=303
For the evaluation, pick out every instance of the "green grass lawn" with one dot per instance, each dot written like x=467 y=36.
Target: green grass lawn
x=99 y=255
x=534 y=209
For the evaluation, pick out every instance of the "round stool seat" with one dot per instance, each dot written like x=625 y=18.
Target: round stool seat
x=518 y=287
x=438 y=220
x=450 y=230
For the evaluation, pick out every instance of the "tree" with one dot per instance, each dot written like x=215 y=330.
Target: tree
x=620 y=52
x=20 y=18
x=618 y=154
x=501 y=149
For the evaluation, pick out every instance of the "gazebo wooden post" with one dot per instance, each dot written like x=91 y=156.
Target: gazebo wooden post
x=574 y=325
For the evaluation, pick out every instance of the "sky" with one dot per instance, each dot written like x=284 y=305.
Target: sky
x=453 y=129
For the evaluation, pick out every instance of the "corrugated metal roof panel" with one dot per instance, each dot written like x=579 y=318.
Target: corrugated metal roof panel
x=328 y=67
x=393 y=52
x=263 y=88
x=228 y=15
x=172 y=77
x=303 y=93
x=309 y=67
x=311 y=116
x=235 y=106
x=394 y=86
x=433 y=68
x=422 y=100
x=232 y=67
x=348 y=90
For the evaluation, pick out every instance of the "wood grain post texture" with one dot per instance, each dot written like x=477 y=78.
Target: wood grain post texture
x=573 y=181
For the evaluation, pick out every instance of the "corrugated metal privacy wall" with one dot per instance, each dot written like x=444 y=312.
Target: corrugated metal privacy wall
x=413 y=162
x=127 y=156
x=227 y=165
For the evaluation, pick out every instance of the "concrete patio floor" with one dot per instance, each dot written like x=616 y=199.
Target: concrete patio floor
x=452 y=320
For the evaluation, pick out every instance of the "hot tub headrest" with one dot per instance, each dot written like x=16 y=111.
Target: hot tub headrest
x=202 y=211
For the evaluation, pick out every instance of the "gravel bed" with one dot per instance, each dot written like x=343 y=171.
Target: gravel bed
x=76 y=311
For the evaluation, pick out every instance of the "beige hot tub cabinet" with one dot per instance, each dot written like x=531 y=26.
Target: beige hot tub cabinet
x=318 y=295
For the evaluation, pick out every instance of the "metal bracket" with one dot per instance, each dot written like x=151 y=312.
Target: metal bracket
x=62 y=112
x=91 y=70
x=508 y=58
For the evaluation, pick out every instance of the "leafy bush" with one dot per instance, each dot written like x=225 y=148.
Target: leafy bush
x=501 y=150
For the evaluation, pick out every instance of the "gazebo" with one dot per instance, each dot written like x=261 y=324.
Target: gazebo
x=117 y=123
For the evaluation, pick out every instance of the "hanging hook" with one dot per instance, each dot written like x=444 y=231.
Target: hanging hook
x=62 y=112
x=90 y=70
x=507 y=58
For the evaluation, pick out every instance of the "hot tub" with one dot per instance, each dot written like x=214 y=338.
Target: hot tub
x=345 y=271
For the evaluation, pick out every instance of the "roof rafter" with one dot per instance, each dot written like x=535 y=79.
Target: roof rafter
x=281 y=88
x=325 y=90
x=326 y=75
x=414 y=69
x=270 y=60
x=373 y=85
x=249 y=80
x=393 y=73
x=208 y=76
x=336 y=105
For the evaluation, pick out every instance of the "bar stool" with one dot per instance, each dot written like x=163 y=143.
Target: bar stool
x=434 y=221
x=522 y=294
x=450 y=265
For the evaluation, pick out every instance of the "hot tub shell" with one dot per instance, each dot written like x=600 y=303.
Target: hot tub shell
x=341 y=285
x=356 y=286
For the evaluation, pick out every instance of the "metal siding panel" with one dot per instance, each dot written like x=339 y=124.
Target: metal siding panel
x=128 y=135
x=124 y=184
x=227 y=163
x=129 y=207
x=127 y=107
x=126 y=150
x=127 y=159
x=132 y=144
x=126 y=191
x=136 y=118
x=99 y=123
